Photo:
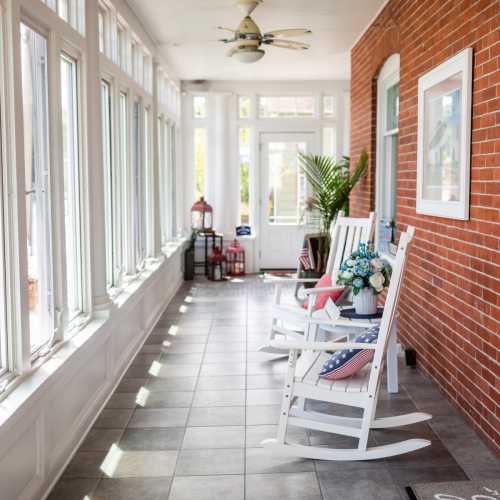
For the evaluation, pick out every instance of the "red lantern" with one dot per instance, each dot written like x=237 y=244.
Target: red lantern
x=201 y=216
x=235 y=257
x=216 y=266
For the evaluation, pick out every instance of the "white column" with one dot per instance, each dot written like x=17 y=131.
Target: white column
x=221 y=171
x=95 y=180
x=155 y=181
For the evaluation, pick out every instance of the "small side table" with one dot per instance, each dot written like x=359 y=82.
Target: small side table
x=217 y=240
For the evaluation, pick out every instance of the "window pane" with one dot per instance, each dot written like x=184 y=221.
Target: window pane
x=72 y=212
x=244 y=107
x=328 y=106
x=36 y=157
x=287 y=184
x=173 y=180
x=147 y=213
x=3 y=329
x=109 y=201
x=200 y=160
x=200 y=106
x=393 y=107
x=122 y=54
x=244 y=176
x=162 y=135
x=286 y=107
x=329 y=142
x=124 y=156
x=63 y=9
x=101 y=26
x=137 y=187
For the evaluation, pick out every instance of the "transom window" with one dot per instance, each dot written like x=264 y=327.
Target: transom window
x=244 y=107
x=328 y=106
x=286 y=106
x=199 y=106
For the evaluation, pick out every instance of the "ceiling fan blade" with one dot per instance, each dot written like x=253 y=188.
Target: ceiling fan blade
x=232 y=51
x=288 y=44
x=226 y=29
x=287 y=32
x=228 y=40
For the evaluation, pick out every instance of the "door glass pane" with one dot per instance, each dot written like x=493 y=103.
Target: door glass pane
x=244 y=176
x=200 y=160
x=72 y=212
x=287 y=184
x=393 y=107
x=36 y=157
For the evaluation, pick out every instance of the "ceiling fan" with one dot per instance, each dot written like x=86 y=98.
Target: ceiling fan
x=249 y=38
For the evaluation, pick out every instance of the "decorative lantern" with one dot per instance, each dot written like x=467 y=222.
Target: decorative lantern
x=235 y=257
x=216 y=266
x=201 y=216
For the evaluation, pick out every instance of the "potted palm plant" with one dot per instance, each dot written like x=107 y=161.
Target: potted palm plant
x=331 y=183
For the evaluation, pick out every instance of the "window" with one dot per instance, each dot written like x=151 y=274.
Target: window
x=200 y=160
x=110 y=200
x=3 y=325
x=286 y=107
x=37 y=179
x=71 y=167
x=200 y=106
x=121 y=48
x=124 y=158
x=244 y=107
x=101 y=21
x=328 y=106
x=244 y=148
x=163 y=178
x=329 y=142
x=137 y=188
x=173 y=181
x=147 y=213
x=133 y=57
x=387 y=151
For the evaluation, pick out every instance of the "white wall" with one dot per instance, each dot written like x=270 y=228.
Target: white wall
x=43 y=421
x=222 y=124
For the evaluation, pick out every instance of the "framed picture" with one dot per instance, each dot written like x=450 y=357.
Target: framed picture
x=444 y=138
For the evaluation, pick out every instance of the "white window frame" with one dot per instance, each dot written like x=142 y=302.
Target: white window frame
x=385 y=169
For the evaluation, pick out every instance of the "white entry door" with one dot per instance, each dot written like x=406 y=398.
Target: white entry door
x=283 y=192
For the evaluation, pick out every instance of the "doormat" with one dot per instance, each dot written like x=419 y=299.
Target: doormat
x=488 y=489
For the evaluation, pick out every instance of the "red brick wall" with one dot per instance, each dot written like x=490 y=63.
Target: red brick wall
x=450 y=308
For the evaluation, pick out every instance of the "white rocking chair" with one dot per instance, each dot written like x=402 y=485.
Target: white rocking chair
x=291 y=321
x=360 y=391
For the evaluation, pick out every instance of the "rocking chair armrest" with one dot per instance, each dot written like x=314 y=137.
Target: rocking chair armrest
x=299 y=345
x=314 y=291
x=282 y=281
x=344 y=322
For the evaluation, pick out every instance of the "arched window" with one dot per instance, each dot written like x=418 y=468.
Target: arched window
x=387 y=151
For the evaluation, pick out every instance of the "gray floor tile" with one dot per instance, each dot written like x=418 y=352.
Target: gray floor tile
x=122 y=400
x=262 y=397
x=164 y=399
x=255 y=434
x=152 y=439
x=145 y=359
x=230 y=415
x=222 y=357
x=162 y=370
x=265 y=367
x=178 y=384
x=214 y=437
x=139 y=463
x=186 y=348
x=219 y=398
x=295 y=486
x=100 y=439
x=73 y=489
x=358 y=485
x=263 y=415
x=269 y=381
x=131 y=385
x=210 y=462
x=181 y=359
x=222 y=383
x=228 y=347
x=404 y=476
x=226 y=369
x=133 y=489
x=86 y=464
x=261 y=461
x=165 y=417
x=113 y=419
x=207 y=488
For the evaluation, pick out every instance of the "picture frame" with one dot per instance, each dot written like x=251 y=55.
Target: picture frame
x=444 y=138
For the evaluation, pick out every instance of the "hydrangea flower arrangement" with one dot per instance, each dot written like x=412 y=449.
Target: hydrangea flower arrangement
x=365 y=269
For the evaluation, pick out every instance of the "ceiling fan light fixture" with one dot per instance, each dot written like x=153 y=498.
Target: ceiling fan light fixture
x=249 y=55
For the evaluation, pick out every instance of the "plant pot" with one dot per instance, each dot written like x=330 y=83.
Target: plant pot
x=365 y=302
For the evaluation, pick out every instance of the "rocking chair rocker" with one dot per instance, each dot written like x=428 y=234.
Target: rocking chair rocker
x=360 y=391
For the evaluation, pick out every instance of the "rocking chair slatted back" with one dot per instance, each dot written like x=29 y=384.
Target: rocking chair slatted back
x=346 y=235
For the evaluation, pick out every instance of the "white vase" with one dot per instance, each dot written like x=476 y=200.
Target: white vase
x=365 y=302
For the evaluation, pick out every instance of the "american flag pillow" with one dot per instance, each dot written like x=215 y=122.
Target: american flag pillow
x=347 y=362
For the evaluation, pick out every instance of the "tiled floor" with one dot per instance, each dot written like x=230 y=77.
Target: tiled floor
x=187 y=420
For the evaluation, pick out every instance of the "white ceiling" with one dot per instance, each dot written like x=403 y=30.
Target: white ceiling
x=186 y=33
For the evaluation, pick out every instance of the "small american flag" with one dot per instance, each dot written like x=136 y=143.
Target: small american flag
x=304 y=257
